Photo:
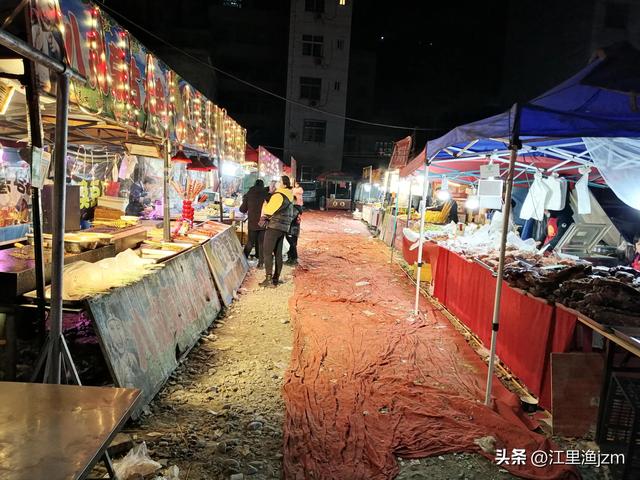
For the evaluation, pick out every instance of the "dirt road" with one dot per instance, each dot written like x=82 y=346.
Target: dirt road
x=222 y=412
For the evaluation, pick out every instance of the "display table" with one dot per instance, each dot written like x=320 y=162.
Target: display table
x=58 y=431
x=530 y=328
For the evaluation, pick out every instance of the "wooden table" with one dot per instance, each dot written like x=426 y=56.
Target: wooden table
x=58 y=432
x=610 y=367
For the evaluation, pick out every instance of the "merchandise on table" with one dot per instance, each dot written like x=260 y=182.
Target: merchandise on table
x=611 y=297
x=83 y=279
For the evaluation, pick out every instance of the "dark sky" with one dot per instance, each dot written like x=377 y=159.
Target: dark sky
x=438 y=64
x=444 y=57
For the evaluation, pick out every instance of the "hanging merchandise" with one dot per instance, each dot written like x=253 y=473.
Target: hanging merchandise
x=127 y=166
x=533 y=206
x=557 y=195
x=582 y=191
x=618 y=161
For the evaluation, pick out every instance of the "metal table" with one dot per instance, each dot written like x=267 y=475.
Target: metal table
x=58 y=432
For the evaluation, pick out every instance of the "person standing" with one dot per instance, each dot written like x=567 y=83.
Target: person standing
x=294 y=231
x=252 y=204
x=139 y=203
x=278 y=214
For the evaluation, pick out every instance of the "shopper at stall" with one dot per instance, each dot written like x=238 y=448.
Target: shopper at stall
x=138 y=203
x=277 y=216
x=558 y=223
x=252 y=204
x=294 y=231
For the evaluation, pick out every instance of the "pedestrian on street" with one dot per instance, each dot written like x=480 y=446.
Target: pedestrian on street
x=252 y=204
x=277 y=217
x=294 y=231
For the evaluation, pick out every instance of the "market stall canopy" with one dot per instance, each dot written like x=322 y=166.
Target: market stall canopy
x=592 y=119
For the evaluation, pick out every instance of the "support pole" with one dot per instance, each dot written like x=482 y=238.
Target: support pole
x=423 y=208
x=503 y=241
x=57 y=254
x=409 y=202
x=35 y=132
x=166 y=213
x=220 y=191
x=395 y=220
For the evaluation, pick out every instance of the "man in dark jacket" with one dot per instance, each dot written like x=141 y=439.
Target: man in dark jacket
x=252 y=205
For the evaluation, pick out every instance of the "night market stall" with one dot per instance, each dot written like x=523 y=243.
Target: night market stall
x=130 y=118
x=589 y=126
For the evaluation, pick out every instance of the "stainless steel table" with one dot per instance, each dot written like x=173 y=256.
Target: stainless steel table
x=58 y=432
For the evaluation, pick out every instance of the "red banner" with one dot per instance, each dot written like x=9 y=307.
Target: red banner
x=400 y=155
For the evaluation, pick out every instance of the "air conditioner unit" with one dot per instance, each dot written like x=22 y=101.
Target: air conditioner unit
x=313 y=103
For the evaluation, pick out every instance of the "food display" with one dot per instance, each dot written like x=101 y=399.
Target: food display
x=610 y=296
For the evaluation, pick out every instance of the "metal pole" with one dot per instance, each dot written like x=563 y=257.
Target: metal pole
x=35 y=131
x=409 y=201
x=57 y=254
x=24 y=49
x=423 y=208
x=166 y=213
x=220 y=191
x=503 y=241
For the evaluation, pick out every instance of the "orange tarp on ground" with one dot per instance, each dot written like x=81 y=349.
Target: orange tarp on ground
x=368 y=382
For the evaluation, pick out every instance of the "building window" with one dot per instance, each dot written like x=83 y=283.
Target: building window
x=316 y=6
x=310 y=88
x=314 y=131
x=312 y=45
x=232 y=3
x=340 y=44
x=384 y=149
x=336 y=86
x=616 y=15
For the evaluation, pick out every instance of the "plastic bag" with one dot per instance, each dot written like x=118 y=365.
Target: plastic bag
x=528 y=245
x=172 y=473
x=136 y=463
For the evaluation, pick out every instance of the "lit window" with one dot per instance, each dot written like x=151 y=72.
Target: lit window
x=310 y=88
x=312 y=45
x=314 y=131
x=316 y=6
x=232 y=3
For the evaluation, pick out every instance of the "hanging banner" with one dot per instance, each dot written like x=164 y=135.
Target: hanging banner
x=125 y=82
x=400 y=155
x=269 y=166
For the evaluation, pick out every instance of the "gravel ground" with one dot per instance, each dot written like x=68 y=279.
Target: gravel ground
x=221 y=414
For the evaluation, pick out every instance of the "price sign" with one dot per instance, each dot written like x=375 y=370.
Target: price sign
x=490 y=170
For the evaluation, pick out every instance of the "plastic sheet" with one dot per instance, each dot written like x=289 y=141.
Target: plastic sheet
x=618 y=161
x=369 y=382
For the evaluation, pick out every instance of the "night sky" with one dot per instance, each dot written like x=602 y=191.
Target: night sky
x=438 y=64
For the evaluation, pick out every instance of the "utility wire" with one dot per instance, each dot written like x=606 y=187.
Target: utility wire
x=256 y=87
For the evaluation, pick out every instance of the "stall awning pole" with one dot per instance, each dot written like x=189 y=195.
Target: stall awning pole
x=506 y=214
x=409 y=202
x=166 y=212
x=22 y=48
x=423 y=208
x=57 y=251
x=395 y=220
x=35 y=131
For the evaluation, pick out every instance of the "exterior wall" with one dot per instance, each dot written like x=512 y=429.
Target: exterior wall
x=335 y=26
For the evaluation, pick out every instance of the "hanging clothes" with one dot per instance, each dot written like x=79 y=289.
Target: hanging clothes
x=582 y=191
x=557 y=194
x=533 y=206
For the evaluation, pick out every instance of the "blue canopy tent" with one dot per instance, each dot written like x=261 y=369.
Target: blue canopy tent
x=599 y=101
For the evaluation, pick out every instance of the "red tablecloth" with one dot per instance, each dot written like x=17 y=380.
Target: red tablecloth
x=530 y=329
x=430 y=252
